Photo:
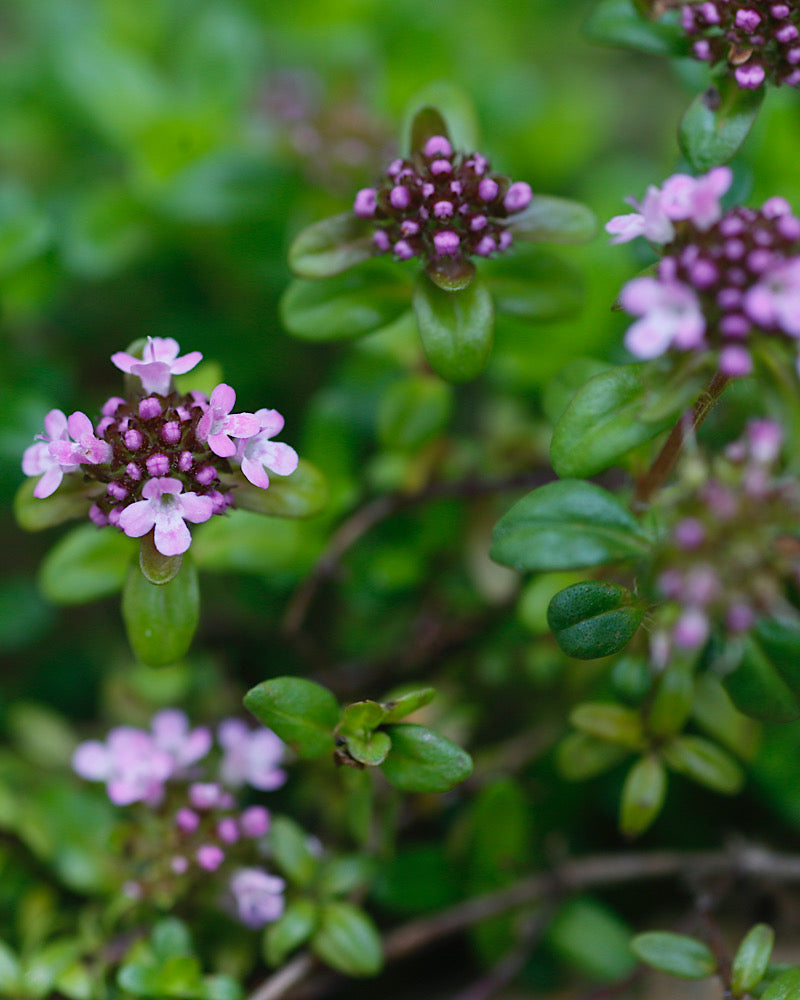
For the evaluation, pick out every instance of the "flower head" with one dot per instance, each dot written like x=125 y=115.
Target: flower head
x=257 y=896
x=166 y=509
x=158 y=363
x=130 y=762
x=442 y=204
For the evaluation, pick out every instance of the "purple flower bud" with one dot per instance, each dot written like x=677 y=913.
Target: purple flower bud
x=400 y=197
x=438 y=145
x=186 y=820
x=228 y=830
x=477 y=223
x=149 y=408
x=702 y=49
x=403 y=250
x=734 y=325
x=428 y=189
x=750 y=76
x=96 y=516
x=210 y=857
x=158 y=464
x=171 y=432
x=779 y=10
x=443 y=209
x=116 y=490
x=365 y=203
x=133 y=439
x=690 y=533
x=205 y=794
x=394 y=168
x=456 y=187
x=691 y=629
x=765 y=438
x=487 y=189
x=185 y=461
x=254 y=821
x=703 y=273
x=518 y=197
x=485 y=247
x=747 y=20
x=740 y=617
x=734 y=249
x=786 y=34
x=409 y=228
x=439 y=167
x=709 y=12
x=446 y=242
x=506 y=239
x=381 y=240
x=111 y=406
x=735 y=361
x=206 y=475
x=793 y=56
x=179 y=864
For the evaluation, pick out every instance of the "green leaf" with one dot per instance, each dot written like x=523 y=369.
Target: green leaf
x=674 y=697
x=554 y=220
x=457 y=328
x=289 y=845
x=86 y=564
x=642 y=795
x=780 y=643
x=161 y=619
x=534 y=286
x=594 y=619
x=370 y=749
x=293 y=928
x=617 y=22
x=361 y=715
x=602 y=423
x=785 y=987
x=593 y=938
x=303 y=493
x=705 y=763
x=580 y=756
x=413 y=411
x=171 y=937
x=716 y=123
x=566 y=525
x=67 y=503
x=451 y=274
x=440 y=105
x=331 y=246
x=221 y=987
x=404 y=704
x=303 y=713
x=751 y=959
x=426 y=123
x=347 y=940
x=339 y=876
x=677 y=954
x=10 y=972
x=716 y=714
x=756 y=688
x=611 y=722
x=156 y=567
x=561 y=389
x=348 y=305
x=424 y=761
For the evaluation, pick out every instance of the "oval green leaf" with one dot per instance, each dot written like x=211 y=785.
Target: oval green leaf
x=289 y=845
x=554 y=220
x=347 y=940
x=303 y=713
x=566 y=525
x=457 y=328
x=85 y=565
x=294 y=927
x=594 y=619
x=345 y=306
x=67 y=503
x=302 y=494
x=609 y=721
x=642 y=795
x=161 y=619
x=705 y=763
x=369 y=749
x=757 y=690
x=677 y=954
x=424 y=761
x=580 y=756
x=602 y=423
x=398 y=708
x=716 y=123
x=617 y=22
x=414 y=410
x=751 y=959
x=785 y=987
x=331 y=246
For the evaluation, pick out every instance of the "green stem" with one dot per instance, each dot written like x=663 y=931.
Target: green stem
x=665 y=461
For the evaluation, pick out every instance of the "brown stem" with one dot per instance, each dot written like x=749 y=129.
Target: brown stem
x=574 y=876
x=687 y=425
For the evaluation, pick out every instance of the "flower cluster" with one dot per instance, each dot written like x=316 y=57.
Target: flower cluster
x=759 y=39
x=722 y=276
x=729 y=555
x=202 y=828
x=160 y=458
x=440 y=204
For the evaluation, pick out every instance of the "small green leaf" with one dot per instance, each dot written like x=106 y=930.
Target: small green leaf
x=67 y=503
x=717 y=121
x=751 y=959
x=780 y=643
x=361 y=715
x=444 y=106
x=677 y=954
x=161 y=619
x=554 y=220
x=594 y=619
x=370 y=749
x=221 y=987
x=331 y=246
x=457 y=328
x=580 y=756
x=705 y=763
x=602 y=423
x=10 y=972
x=347 y=940
x=293 y=928
x=566 y=525
x=756 y=688
x=348 y=305
x=289 y=845
x=593 y=938
x=534 y=286
x=642 y=795
x=86 y=564
x=785 y=987
x=156 y=567
x=171 y=937
x=617 y=22
x=450 y=274
x=426 y=123
x=413 y=411
x=303 y=493
x=347 y=873
x=401 y=706
x=611 y=722
x=424 y=761
x=303 y=713
x=674 y=697
x=561 y=389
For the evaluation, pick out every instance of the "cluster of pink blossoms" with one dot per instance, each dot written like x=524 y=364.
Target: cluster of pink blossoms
x=723 y=564
x=759 y=39
x=440 y=204
x=204 y=828
x=722 y=276
x=161 y=458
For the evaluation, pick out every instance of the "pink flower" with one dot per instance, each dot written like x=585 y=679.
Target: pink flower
x=651 y=221
x=775 y=300
x=133 y=767
x=257 y=896
x=171 y=733
x=84 y=448
x=159 y=362
x=260 y=453
x=671 y=316
x=38 y=459
x=218 y=425
x=250 y=756
x=696 y=198
x=167 y=509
